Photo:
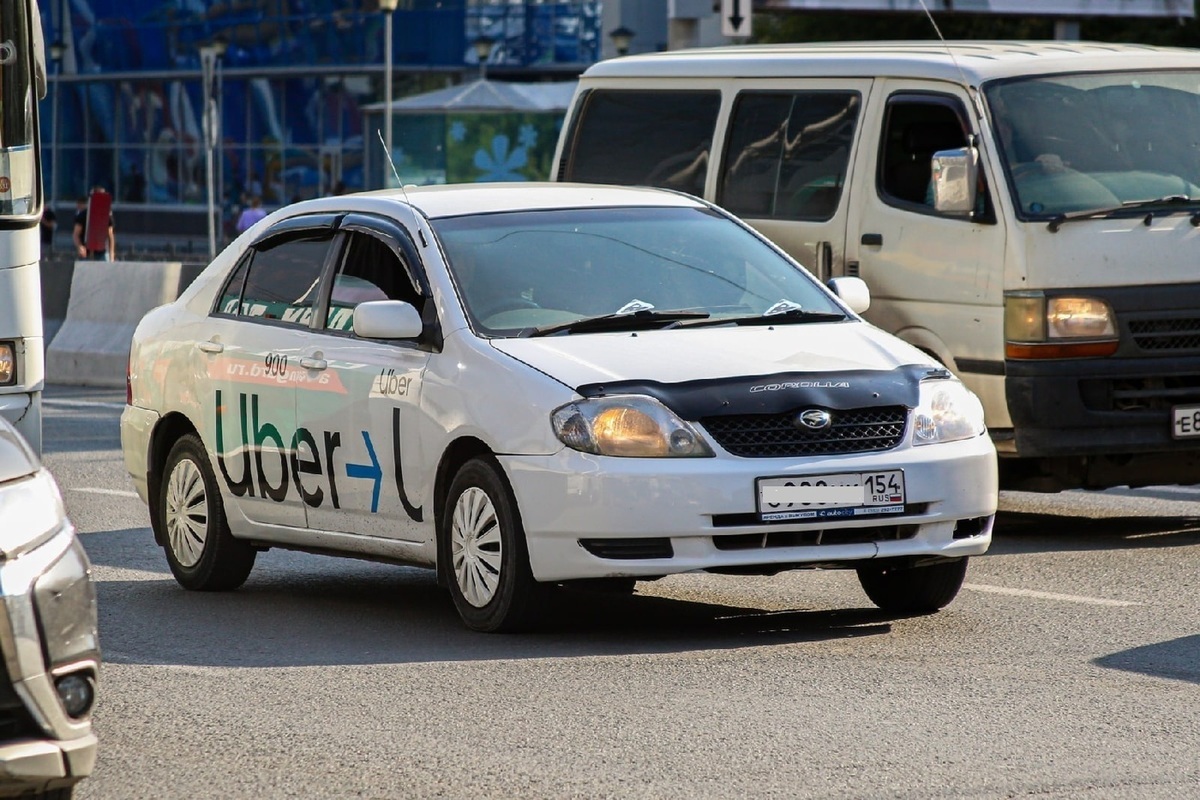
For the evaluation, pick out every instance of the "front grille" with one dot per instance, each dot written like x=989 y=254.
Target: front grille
x=1156 y=335
x=15 y=721
x=759 y=541
x=1140 y=394
x=856 y=430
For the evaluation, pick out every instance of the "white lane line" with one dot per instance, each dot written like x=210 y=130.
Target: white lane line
x=1067 y=598
x=94 y=490
x=51 y=401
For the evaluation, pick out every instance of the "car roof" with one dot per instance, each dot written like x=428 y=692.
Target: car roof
x=977 y=61
x=452 y=200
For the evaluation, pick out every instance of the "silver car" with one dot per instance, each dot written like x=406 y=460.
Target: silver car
x=47 y=633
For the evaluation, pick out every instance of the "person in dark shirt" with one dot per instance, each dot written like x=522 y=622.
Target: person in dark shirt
x=48 y=226
x=80 y=232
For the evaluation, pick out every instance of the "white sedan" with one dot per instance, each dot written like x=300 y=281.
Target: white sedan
x=524 y=385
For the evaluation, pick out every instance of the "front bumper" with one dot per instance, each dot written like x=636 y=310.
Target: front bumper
x=48 y=630
x=569 y=500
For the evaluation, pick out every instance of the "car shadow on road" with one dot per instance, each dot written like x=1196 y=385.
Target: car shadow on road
x=1016 y=533
x=1178 y=659
x=341 y=612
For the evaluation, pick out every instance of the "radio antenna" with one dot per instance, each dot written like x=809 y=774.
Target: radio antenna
x=400 y=183
x=961 y=72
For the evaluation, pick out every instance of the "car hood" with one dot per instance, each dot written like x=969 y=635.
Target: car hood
x=16 y=459
x=682 y=355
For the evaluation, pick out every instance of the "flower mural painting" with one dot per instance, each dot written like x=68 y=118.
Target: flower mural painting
x=500 y=164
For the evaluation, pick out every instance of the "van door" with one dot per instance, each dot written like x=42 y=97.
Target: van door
x=936 y=279
x=787 y=159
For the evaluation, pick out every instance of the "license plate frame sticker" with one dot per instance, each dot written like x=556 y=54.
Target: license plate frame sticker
x=1185 y=422
x=840 y=495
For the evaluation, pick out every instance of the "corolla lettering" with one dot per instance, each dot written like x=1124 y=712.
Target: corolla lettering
x=255 y=433
x=779 y=387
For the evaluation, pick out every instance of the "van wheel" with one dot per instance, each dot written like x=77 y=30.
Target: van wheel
x=202 y=553
x=913 y=590
x=488 y=560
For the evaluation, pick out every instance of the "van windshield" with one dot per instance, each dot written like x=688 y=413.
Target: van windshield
x=1075 y=143
x=518 y=272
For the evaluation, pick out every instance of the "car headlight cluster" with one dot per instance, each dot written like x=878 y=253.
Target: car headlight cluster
x=946 y=412
x=633 y=426
x=1036 y=326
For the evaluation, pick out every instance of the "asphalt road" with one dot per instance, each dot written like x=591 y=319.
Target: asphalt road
x=1068 y=667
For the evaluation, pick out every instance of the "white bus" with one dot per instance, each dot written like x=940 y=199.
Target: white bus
x=22 y=83
x=1026 y=212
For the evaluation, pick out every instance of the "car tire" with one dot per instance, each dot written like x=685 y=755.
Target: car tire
x=487 y=565
x=913 y=590
x=202 y=553
x=55 y=794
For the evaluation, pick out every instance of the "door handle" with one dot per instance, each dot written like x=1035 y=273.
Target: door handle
x=872 y=239
x=211 y=347
x=314 y=363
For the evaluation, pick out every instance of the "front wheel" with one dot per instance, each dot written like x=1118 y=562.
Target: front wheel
x=202 y=553
x=913 y=590
x=488 y=568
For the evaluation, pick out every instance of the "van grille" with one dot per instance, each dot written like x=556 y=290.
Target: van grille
x=858 y=430
x=1166 y=334
x=1140 y=394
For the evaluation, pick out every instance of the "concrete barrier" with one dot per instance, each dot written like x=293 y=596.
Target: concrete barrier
x=106 y=302
x=56 y=291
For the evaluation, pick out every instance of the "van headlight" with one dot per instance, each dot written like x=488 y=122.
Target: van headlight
x=8 y=364
x=1037 y=326
x=946 y=412
x=632 y=426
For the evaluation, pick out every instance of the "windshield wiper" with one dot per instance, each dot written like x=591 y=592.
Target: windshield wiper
x=792 y=315
x=1170 y=201
x=643 y=318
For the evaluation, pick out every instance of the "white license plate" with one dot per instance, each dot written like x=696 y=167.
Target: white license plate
x=1185 y=422
x=850 y=494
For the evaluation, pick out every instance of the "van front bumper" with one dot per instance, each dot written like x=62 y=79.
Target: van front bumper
x=591 y=516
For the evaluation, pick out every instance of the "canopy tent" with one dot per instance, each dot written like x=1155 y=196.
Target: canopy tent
x=480 y=131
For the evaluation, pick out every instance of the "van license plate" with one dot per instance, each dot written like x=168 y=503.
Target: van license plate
x=1185 y=422
x=850 y=494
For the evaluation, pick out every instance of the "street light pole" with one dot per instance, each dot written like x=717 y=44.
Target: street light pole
x=387 y=7
x=209 y=54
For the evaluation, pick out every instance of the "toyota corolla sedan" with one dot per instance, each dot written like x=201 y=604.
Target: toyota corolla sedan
x=525 y=385
x=48 y=639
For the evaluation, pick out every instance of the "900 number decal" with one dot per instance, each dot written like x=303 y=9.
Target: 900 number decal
x=849 y=494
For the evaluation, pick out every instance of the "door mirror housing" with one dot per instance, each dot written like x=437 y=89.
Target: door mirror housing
x=853 y=292
x=387 y=319
x=955 y=175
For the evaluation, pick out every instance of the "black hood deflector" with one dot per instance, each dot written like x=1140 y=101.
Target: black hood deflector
x=775 y=394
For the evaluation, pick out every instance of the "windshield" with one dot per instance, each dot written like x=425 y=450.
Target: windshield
x=542 y=269
x=18 y=177
x=1099 y=140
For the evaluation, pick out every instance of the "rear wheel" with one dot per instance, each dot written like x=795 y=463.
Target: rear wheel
x=913 y=590
x=488 y=569
x=202 y=553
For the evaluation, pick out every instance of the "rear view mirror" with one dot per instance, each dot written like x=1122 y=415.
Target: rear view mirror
x=853 y=292
x=387 y=319
x=955 y=180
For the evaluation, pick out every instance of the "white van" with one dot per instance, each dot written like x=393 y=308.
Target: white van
x=1026 y=212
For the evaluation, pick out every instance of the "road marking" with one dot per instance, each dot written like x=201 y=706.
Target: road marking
x=94 y=490
x=82 y=404
x=1068 y=598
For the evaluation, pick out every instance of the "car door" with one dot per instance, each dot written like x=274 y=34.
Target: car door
x=787 y=162
x=259 y=328
x=368 y=408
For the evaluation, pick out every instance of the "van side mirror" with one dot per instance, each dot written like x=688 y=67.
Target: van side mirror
x=853 y=292
x=955 y=176
x=387 y=319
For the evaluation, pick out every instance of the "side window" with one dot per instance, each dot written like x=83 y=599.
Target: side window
x=645 y=138
x=787 y=153
x=370 y=270
x=231 y=297
x=282 y=281
x=916 y=128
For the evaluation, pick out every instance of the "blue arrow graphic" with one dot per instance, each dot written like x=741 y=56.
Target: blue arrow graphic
x=371 y=471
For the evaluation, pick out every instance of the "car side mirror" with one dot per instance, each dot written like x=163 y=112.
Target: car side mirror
x=853 y=292
x=387 y=319
x=955 y=180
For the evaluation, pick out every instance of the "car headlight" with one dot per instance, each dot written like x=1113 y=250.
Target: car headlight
x=633 y=426
x=8 y=364
x=32 y=510
x=946 y=412
x=1036 y=326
